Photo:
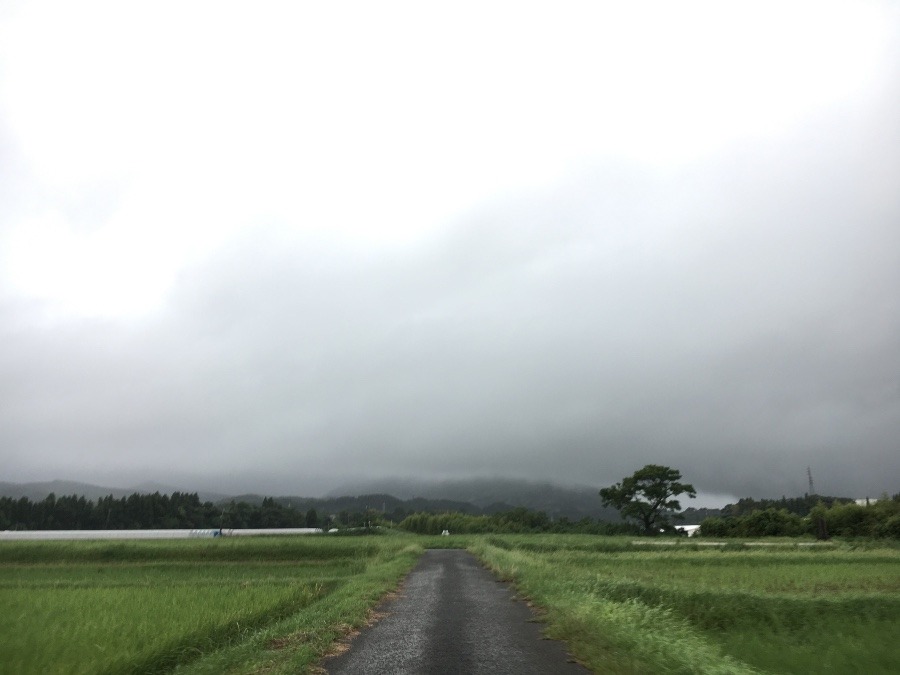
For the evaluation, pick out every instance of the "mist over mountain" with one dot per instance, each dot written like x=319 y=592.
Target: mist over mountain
x=493 y=494
x=387 y=496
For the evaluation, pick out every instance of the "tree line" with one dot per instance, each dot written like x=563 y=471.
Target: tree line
x=514 y=521
x=840 y=518
x=824 y=517
x=648 y=497
x=185 y=511
x=178 y=510
x=798 y=505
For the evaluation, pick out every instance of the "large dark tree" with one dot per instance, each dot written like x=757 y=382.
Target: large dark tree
x=648 y=495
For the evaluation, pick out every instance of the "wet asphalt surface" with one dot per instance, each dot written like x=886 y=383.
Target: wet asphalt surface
x=452 y=616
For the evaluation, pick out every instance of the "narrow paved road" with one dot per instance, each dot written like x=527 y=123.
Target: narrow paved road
x=453 y=616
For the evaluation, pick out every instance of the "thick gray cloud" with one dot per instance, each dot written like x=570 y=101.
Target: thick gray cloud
x=734 y=314
x=739 y=321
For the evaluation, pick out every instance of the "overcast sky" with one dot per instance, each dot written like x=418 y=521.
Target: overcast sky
x=279 y=246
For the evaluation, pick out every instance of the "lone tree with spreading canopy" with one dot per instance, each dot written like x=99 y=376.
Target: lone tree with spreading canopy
x=647 y=495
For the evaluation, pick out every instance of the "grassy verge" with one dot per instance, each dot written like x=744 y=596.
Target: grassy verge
x=625 y=608
x=218 y=606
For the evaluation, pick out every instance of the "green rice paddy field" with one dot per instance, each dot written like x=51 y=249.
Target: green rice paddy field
x=779 y=608
x=277 y=604
x=204 y=606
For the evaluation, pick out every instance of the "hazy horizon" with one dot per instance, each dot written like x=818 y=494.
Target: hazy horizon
x=400 y=487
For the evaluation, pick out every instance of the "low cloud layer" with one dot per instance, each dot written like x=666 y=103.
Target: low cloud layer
x=735 y=315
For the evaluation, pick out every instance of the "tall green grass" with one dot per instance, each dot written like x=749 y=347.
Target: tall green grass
x=201 y=606
x=633 y=609
x=276 y=605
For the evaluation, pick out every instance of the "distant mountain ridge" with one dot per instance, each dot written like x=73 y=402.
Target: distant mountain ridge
x=39 y=491
x=478 y=496
x=492 y=495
